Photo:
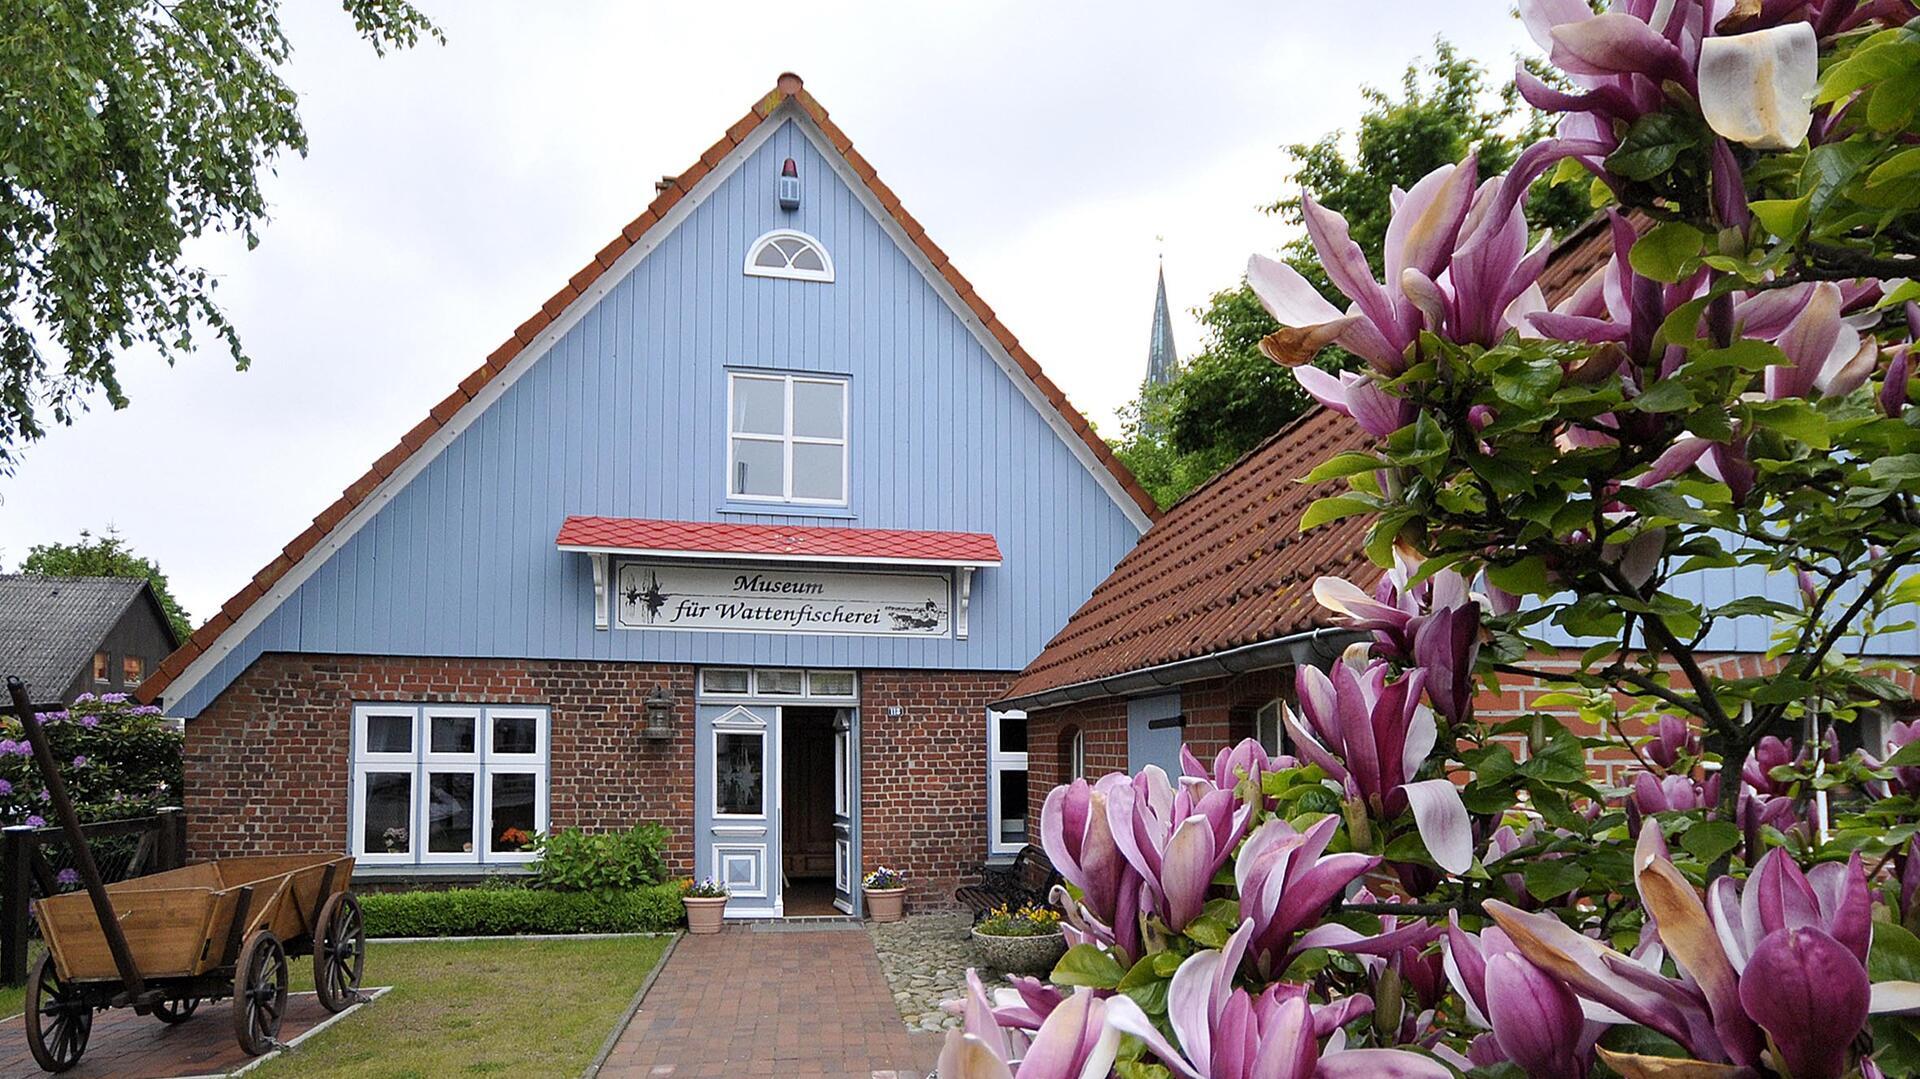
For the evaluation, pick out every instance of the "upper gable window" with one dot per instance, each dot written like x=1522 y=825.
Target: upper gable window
x=788 y=253
x=788 y=436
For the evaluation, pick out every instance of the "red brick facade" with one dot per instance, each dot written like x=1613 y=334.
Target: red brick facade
x=267 y=763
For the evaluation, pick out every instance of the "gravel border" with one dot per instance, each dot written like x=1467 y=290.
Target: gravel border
x=925 y=958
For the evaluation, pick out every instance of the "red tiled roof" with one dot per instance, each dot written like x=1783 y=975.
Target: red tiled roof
x=787 y=87
x=778 y=541
x=1227 y=566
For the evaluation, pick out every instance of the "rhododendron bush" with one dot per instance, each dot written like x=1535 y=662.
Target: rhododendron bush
x=1415 y=891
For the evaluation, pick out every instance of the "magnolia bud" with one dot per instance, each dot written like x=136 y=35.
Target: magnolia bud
x=1537 y=736
x=1359 y=830
x=1388 y=1003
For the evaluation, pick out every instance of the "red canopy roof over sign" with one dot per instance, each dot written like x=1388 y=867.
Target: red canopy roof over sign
x=798 y=543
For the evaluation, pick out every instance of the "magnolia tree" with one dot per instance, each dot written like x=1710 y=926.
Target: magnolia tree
x=1410 y=896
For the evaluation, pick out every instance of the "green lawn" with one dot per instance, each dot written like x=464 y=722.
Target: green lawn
x=517 y=1007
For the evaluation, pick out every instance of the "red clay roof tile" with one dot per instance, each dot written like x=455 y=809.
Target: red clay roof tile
x=728 y=538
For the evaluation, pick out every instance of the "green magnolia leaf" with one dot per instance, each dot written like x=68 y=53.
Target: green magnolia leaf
x=1211 y=931
x=1527 y=577
x=1554 y=877
x=1828 y=169
x=1785 y=218
x=1652 y=145
x=1334 y=508
x=1134 y=1069
x=1708 y=840
x=1667 y=395
x=1893 y=102
x=1898 y=167
x=1141 y=974
x=1795 y=419
x=1895 y=955
x=1907 y=756
x=1086 y=964
x=1667 y=251
x=1342 y=465
x=1898 y=468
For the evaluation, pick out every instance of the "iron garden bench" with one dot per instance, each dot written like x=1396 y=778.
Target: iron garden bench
x=1027 y=879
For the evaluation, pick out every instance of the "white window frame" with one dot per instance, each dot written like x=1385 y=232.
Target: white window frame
x=787 y=439
x=1267 y=716
x=1076 y=756
x=806 y=694
x=422 y=763
x=999 y=762
x=788 y=271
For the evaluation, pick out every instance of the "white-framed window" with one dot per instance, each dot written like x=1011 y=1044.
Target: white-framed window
x=779 y=682
x=1006 y=781
x=447 y=783
x=1077 y=755
x=789 y=253
x=787 y=438
x=1267 y=728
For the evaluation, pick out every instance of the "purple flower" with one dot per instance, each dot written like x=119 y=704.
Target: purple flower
x=1535 y=1019
x=80 y=761
x=113 y=698
x=67 y=878
x=1247 y=761
x=1372 y=735
x=1075 y=1039
x=1227 y=1033
x=1175 y=840
x=6 y=788
x=1434 y=624
x=1672 y=739
x=89 y=721
x=1076 y=834
x=35 y=820
x=1286 y=880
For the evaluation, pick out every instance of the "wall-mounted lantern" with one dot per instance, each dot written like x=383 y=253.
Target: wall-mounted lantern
x=788 y=186
x=658 y=707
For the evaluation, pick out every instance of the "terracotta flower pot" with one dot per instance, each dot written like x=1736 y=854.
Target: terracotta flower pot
x=886 y=904
x=704 y=915
x=1020 y=955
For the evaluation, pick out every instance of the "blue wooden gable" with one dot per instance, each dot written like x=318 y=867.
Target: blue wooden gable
x=625 y=414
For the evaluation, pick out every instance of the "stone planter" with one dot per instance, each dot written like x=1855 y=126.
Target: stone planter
x=1020 y=955
x=705 y=916
x=886 y=904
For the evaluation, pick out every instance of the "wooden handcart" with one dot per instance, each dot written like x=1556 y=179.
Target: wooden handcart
x=163 y=944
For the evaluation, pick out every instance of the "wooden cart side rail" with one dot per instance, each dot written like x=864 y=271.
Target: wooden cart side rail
x=261 y=913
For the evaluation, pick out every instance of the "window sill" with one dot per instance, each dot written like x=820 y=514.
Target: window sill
x=787 y=509
x=452 y=870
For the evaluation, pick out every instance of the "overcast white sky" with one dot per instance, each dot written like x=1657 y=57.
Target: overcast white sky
x=450 y=190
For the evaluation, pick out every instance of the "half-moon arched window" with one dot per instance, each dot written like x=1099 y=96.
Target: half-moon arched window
x=788 y=253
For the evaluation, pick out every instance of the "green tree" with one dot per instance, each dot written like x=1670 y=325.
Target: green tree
x=1228 y=396
x=106 y=556
x=127 y=128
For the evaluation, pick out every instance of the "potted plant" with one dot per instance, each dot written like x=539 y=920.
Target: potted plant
x=886 y=893
x=1025 y=940
x=706 y=905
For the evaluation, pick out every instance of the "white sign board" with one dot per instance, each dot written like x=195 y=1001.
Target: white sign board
x=672 y=595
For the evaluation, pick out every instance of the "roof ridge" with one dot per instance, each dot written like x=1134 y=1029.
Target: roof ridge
x=788 y=87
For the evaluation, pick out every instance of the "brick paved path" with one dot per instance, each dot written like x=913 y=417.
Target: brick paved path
x=129 y=1046
x=747 y=1002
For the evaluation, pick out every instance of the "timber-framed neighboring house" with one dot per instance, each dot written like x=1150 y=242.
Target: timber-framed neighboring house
x=742 y=532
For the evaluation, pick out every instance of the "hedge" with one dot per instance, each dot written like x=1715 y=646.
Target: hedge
x=483 y=912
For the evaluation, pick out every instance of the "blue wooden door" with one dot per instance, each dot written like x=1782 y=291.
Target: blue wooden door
x=736 y=792
x=1154 y=729
x=846 y=808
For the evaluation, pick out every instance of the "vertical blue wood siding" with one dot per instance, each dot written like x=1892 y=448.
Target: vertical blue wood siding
x=626 y=416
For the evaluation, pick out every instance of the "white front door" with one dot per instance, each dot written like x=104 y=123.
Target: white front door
x=736 y=792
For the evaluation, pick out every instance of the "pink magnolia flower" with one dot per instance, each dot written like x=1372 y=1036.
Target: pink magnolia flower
x=1673 y=738
x=1076 y=832
x=1074 y=1041
x=1372 y=734
x=1286 y=880
x=1176 y=840
x=1535 y=1019
x=1228 y=1033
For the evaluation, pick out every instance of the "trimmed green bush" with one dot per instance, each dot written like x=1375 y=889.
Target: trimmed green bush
x=485 y=912
x=572 y=860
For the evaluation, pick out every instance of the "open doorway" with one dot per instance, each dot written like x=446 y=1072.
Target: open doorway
x=807 y=810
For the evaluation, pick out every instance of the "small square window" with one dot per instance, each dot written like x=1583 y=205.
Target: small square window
x=723 y=680
x=132 y=670
x=100 y=666
x=390 y=732
x=777 y=683
x=516 y=734
x=1013 y=731
x=787 y=438
x=451 y=734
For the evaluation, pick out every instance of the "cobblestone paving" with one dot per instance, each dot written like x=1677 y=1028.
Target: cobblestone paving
x=925 y=957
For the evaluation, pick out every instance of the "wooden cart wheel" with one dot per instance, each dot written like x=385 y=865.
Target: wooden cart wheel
x=59 y=1018
x=339 y=952
x=259 y=992
x=176 y=1011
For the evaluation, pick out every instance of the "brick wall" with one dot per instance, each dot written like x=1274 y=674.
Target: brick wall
x=923 y=776
x=267 y=763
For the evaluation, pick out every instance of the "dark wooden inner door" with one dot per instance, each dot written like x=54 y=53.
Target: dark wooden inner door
x=806 y=796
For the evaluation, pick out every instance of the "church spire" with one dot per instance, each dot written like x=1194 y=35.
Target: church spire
x=1161 y=357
